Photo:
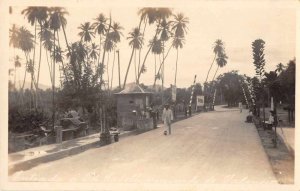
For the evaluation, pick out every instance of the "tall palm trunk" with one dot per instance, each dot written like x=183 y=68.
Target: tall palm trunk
x=210 y=68
x=154 y=85
x=140 y=50
x=161 y=62
x=216 y=72
x=62 y=62
x=15 y=78
x=150 y=47
x=107 y=71
x=49 y=66
x=204 y=89
x=104 y=51
x=135 y=67
x=119 y=72
x=39 y=66
x=26 y=56
x=163 y=74
x=22 y=87
x=112 y=70
x=176 y=67
x=125 y=79
x=67 y=44
x=33 y=94
x=175 y=113
x=53 y=84
x=99 y=50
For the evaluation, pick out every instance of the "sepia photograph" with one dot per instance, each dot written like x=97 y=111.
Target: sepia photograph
x=140 y=95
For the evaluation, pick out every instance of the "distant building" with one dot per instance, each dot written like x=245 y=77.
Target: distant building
x=132 y=108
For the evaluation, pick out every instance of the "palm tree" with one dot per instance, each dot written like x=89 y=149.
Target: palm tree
x=100 y=27
x=47 y=42
x=178 y=30
x=13 y=37
x=56 y=21
x=94 y=54
x=217 y=49
x=112 y=38
x=147 y=15
x=158 y=14
x=14 y=42
x=136 y=42
x=177 y=43
x=156 y=50
x=86 y=35
x=106 y=43
x=16 y=65
x=179 y=27
x=86 y=32
x=36 y=15
x=110 y=45
x=221 y=62
x=116 y=33
x=165 y=34
x=26 y=44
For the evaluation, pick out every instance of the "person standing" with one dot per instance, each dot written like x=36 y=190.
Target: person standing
x=240 y=107
x=167 y=117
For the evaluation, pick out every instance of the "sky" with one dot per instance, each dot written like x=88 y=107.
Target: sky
x=236 y=23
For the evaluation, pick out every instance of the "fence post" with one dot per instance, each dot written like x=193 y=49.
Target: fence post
x=58 y=130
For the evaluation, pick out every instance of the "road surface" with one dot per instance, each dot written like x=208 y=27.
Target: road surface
x=212 y=147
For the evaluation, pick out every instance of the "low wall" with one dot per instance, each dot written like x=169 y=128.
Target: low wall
x=145 y=124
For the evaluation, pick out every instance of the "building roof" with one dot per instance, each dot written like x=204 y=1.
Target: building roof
x=133 y=88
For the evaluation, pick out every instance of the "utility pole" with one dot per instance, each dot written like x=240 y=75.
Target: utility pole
x=119 y=68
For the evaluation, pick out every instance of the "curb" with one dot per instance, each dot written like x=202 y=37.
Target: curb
x=287 y=145
x=26 y=165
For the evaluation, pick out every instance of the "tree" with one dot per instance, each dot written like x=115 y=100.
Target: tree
x=279 y=68
x=221 y=58
x=114 y=37
x=156 y=50
x=86 y=35
x=26 y=44
x=177 y=43
x=287 y=83
x=86 y=32
x=272 y=82
x=217 y=49
x=94 y=54
x=56 y=21
x=13 y=36
x=159 y=14
x=17 y=64
x=231 y=87
x=47 y=41
x=36 y=15
x=259 y=63
x=100 y=27
x=179 y=27
x=221 y=62
x=136 y=42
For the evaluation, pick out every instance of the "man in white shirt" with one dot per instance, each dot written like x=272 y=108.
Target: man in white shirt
x=167 y=117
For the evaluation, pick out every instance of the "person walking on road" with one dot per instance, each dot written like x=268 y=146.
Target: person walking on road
x=167 y=117
x=240 y=107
